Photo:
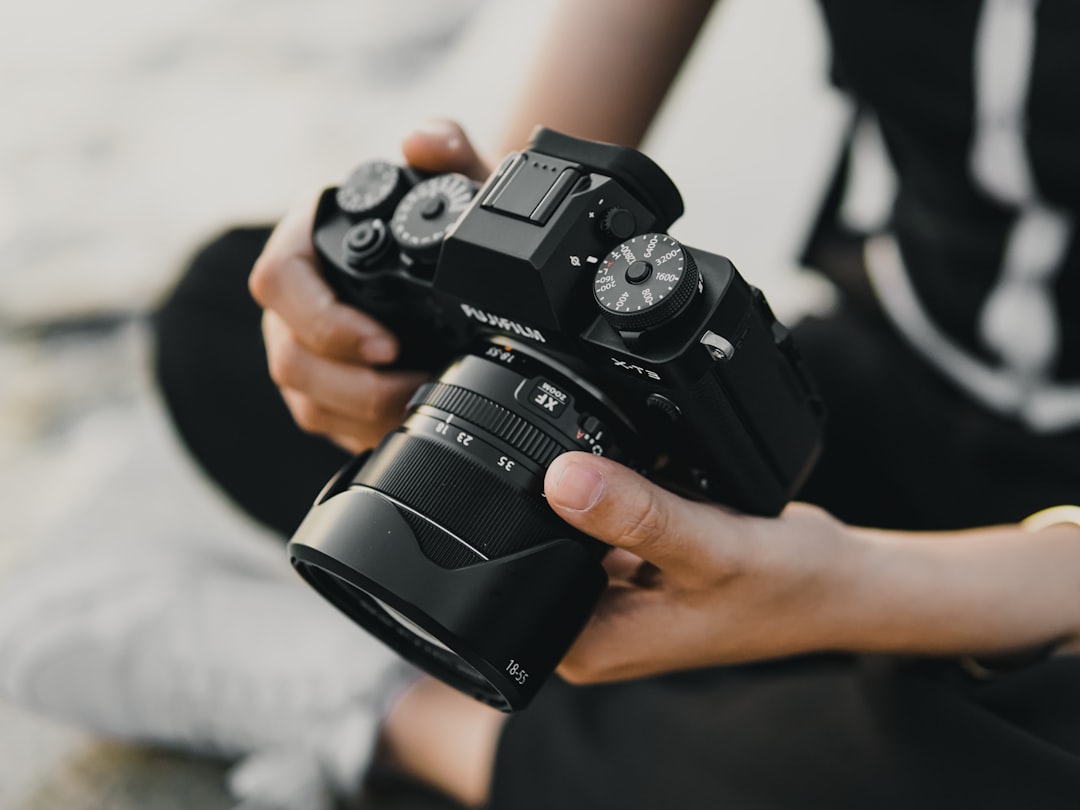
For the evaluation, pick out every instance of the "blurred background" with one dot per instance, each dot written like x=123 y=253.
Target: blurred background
x=134 y=131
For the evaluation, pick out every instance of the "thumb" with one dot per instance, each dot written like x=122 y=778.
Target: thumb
x=442 y=146
x=612 y=503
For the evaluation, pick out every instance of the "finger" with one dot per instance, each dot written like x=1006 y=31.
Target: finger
x=621 y=565
x=442 y=146
x=631 y=634
x=615 y=505
x=354 y=444
x=356 y=392
x=285 y=280
x=292 y=235
x=351 y=434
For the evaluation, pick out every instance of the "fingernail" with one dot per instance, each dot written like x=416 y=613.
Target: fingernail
x=377 y=349
x=578 y=488
x=444 y=131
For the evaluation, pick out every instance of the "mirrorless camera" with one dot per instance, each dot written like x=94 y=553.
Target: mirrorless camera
x=555 y=314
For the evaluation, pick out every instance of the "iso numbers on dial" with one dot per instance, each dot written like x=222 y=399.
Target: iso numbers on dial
x=516 y=672
x=666 y=260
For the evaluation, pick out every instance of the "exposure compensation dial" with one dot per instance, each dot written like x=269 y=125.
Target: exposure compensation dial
x=645 y=282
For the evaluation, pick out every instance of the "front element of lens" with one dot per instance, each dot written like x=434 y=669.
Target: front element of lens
x=440 y=542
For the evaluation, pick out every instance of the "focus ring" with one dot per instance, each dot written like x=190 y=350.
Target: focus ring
x=447 y=487
x=501 y=422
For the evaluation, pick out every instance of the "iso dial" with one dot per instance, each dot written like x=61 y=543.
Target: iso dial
x=645 y=282
x=426 y=213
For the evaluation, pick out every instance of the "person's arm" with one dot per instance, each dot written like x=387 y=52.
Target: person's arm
x=696 y=585
x=601 y=73
x=604 y=67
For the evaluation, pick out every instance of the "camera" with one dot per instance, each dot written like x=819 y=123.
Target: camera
x=554 y=313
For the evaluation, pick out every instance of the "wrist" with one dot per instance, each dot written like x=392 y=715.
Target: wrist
x=982 y=592
x=820 y=576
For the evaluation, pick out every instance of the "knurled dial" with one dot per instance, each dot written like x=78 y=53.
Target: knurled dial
x=426 y=213
x=372 y=190
x=645 y=282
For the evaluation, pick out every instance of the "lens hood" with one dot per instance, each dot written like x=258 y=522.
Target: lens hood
x=494 y=630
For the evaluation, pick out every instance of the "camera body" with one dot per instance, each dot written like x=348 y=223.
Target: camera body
x=569 y=320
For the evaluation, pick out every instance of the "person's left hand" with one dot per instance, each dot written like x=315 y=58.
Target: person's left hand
x=694 y=584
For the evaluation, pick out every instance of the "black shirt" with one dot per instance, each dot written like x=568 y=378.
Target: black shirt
x=917 y=64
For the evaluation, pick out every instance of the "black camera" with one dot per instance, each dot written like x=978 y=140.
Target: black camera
x=555 y=314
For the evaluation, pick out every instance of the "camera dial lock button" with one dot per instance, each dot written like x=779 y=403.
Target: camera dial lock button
x=433 y=208
x=638 y=272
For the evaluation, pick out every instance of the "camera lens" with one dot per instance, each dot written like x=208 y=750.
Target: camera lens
x=440 y=541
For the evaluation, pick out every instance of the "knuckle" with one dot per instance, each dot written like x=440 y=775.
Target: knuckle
x=307 y=414
x=587 y=669
x=263 y=280
x=365 y=411
x=378 y=403
x=285 y=363
x=326 y=335
x=647 y=521
x=356 y=443
x=577 y=673
x=362 y=394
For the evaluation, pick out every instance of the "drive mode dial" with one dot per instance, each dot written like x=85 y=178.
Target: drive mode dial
x=645 y=282
x=426 y=213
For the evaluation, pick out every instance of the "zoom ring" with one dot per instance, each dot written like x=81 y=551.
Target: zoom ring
x=506 y=425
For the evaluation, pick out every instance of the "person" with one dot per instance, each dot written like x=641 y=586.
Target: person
x=905 y=636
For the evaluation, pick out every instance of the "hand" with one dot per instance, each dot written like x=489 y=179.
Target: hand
x=324 y=355
x=694 y=584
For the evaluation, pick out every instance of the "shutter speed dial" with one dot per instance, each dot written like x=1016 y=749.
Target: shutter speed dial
x=645 y=282
x=426 y=213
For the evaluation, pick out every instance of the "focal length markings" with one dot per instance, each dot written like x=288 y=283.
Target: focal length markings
x=475 y=443
x=504 y=426
x=514 y=670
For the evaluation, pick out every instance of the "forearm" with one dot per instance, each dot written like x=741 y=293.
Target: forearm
x=989 y=591
x=604 y=67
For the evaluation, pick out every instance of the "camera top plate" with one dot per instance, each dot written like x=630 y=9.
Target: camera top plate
x=638 y=173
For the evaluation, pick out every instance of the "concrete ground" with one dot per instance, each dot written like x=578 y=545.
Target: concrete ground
x=132 y=131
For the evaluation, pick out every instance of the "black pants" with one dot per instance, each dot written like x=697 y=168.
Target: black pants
x=903 y=450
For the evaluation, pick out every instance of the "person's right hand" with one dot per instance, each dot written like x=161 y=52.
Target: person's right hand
x=324 y=355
